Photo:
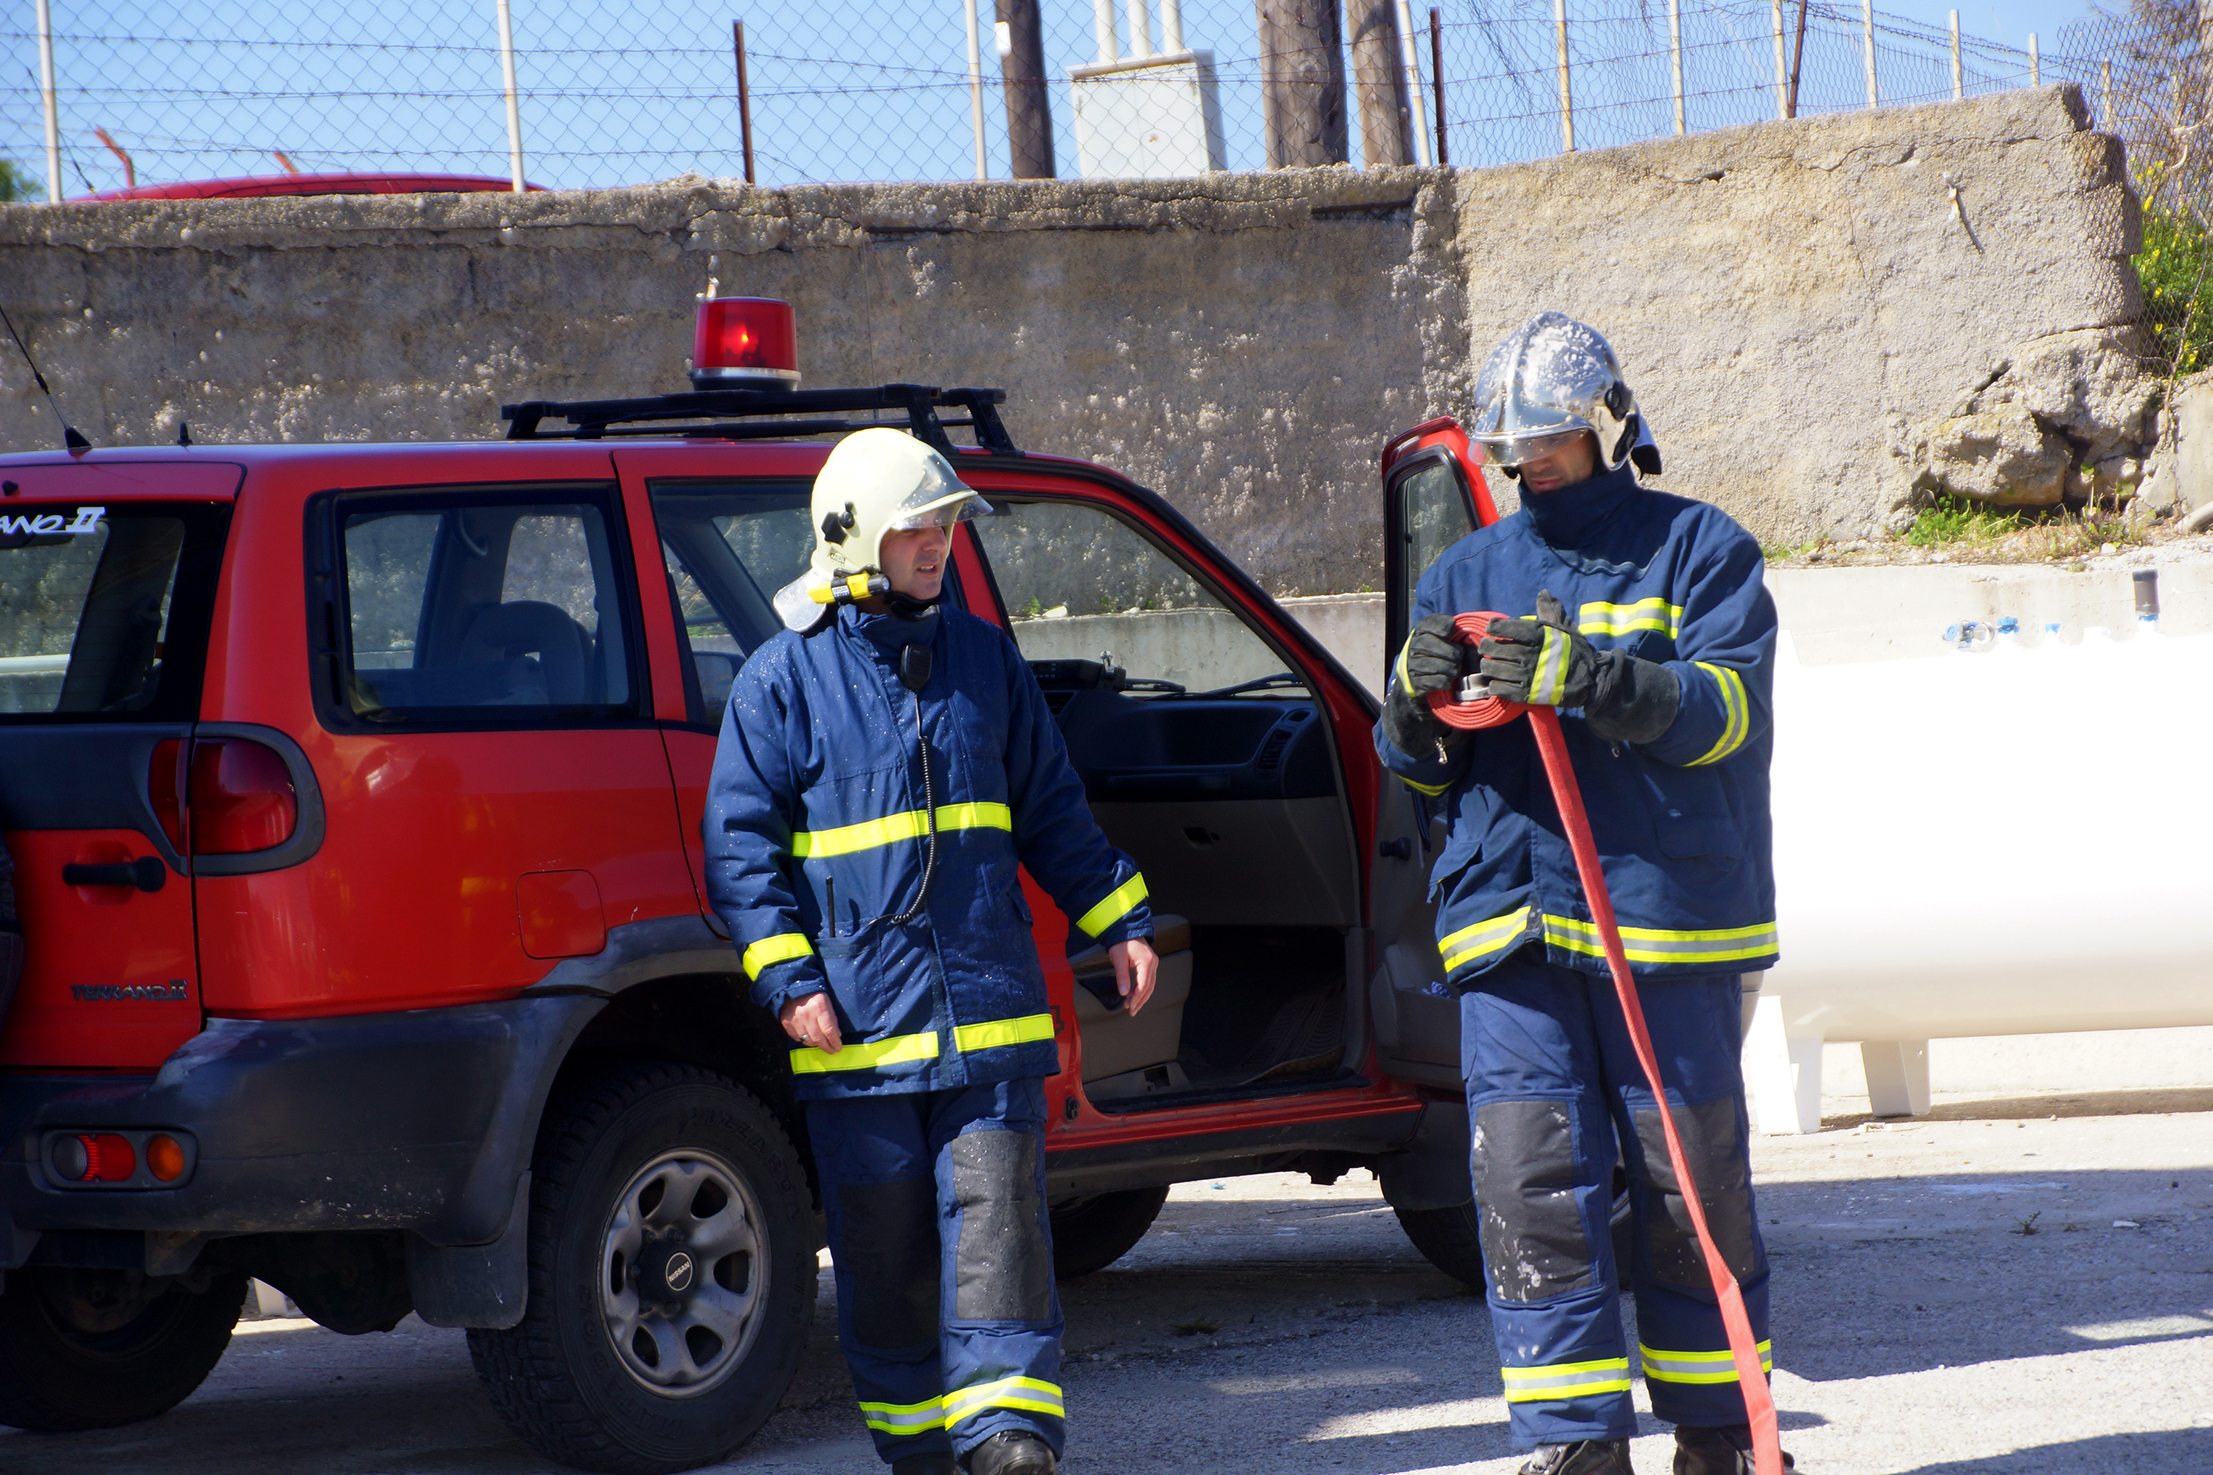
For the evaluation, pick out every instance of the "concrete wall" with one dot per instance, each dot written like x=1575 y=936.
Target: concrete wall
x=1820 y=315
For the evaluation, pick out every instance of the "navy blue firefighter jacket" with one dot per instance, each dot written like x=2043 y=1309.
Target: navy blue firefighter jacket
x=817 y=790
x=1681 y=823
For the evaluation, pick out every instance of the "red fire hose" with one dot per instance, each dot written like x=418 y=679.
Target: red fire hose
x=1490 y=711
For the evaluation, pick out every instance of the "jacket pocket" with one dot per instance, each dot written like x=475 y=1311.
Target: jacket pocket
x=1686 y=836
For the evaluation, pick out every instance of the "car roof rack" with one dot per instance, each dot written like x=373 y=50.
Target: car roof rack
x=732 y=412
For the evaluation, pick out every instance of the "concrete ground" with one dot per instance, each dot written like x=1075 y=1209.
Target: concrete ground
x=1268 y=1324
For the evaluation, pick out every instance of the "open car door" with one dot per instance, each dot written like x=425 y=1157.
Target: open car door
x=1433 y=496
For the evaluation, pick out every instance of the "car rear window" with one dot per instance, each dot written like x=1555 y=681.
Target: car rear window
x=104 y=610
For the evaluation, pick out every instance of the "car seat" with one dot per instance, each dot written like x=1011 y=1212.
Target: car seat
x=507 y=632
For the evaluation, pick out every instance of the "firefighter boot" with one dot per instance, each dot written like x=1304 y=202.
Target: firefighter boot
x=1584 y=1457
x=1012 y=1452
x=1717 y=1451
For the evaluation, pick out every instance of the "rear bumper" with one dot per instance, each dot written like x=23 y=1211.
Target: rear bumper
x=421 y=1120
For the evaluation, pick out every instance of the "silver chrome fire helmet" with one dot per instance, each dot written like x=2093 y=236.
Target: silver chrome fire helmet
x=1555 y=377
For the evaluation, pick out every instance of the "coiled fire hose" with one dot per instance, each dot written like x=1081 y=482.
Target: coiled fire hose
x=1470 y=708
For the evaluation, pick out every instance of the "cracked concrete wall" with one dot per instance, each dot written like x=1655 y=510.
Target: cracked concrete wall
x=1812 y=321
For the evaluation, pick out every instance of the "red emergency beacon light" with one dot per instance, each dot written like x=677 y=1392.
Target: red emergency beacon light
x=745 y=343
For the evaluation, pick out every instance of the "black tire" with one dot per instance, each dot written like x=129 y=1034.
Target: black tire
x=564 y=1379
x=1092 y=1233
x=91 y=1349
x=1449 y=1240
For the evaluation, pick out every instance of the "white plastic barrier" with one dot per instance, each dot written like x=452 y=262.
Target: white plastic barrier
x=2009 y=841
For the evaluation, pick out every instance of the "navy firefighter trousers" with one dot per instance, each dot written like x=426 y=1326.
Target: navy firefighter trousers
x=946 y=1306
x=1553 y=1085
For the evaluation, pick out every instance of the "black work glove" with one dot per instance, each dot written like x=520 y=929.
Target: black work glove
x=1541 y=661
x=1429 y=662
x=1625 y=700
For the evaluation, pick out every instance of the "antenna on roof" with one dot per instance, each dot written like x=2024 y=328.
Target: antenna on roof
x=70 y=439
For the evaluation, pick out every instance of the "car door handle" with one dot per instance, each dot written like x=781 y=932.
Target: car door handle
x=147 y=873
x=1399 y=849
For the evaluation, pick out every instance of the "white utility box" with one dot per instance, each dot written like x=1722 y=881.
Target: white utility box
x=1156 y=117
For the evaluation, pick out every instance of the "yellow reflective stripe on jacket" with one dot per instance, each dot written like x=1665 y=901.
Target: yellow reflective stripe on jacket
x=1406 y=682
x=781 y=948
x=909 y=825
x=997 y=1034
x=1496 y=935
x=1736 y=720
x=905 y=1418
x=1627 y=619
x=1659 y=945
x=1115 y=907
x=1566 y=1380
x=1432 y=790
x=1699 y=1367
x=897 y=1050
x=1032 y=1395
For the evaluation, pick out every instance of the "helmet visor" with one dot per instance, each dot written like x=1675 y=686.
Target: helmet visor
x=941 y=514
x=1524 y=448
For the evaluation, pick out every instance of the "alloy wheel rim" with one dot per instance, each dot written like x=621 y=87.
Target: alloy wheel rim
x=680 y=1273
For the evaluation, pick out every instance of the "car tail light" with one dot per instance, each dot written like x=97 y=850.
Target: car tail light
x=86 y=1157
x=165 y=788
x=241 y=797
x=745 y=343
x=165 y=1157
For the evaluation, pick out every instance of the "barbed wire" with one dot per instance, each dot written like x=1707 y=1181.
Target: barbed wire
x=890 y=89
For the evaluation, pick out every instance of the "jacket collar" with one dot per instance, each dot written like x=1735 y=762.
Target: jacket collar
x=1570 y=516
x=889 y=633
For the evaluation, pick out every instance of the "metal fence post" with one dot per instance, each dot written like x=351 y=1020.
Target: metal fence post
x=1567 y=95
x=2036 y=65
x=1675 y=49
x=53 y=109
x=1437 y=78
x=745 y=92
x=1959 y=78
x=2105 y=71
x=1782 y=105
x=975 y=95
x=514 y=105
x=1424 y=154
x=1867 y=29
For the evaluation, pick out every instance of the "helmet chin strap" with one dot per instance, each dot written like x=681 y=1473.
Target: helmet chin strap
x=907 y=607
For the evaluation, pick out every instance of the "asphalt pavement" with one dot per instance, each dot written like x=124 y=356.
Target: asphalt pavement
x=2009 y=1287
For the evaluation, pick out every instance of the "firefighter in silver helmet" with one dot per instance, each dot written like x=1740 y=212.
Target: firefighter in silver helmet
x=1644 y=620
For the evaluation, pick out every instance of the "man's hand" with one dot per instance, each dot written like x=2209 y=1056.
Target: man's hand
x=1135 y=957
x=810 y=1020
x=1430 y=661
x=1542 y=661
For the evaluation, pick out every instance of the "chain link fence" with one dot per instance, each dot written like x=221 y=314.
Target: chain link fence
x=930 y=89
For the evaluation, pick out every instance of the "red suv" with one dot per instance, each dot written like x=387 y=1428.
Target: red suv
x=355 y=795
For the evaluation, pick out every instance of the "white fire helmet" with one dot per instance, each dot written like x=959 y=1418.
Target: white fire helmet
x=876 y=481
x=1556 y=377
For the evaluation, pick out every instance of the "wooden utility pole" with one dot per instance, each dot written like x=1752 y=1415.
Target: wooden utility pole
x=1379 y=81
x=1302 y=83
x=745 y=97
x=1797 y=61
x=1022 y=75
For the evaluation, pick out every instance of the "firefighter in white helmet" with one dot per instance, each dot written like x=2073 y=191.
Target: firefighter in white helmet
x=885 y=765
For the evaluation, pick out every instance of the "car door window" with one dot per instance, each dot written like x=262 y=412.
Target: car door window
x=1430 y=513
x=727 y=549
x=491 y=605
x=1081 y=584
